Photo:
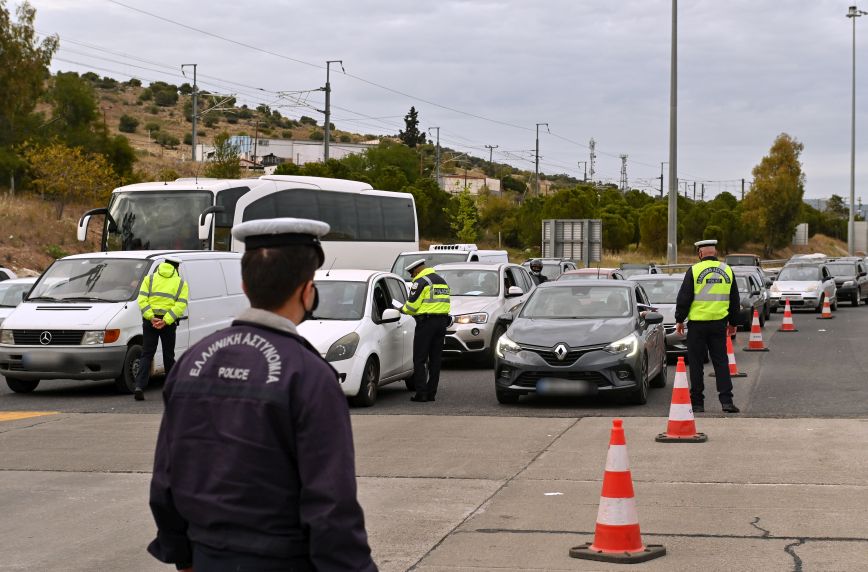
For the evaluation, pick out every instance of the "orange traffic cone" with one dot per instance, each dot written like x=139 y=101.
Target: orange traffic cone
x=681 y=427
x=788 y=325
x=616 y=536
x=730 y=355
x=827 y=311
x=755 y=341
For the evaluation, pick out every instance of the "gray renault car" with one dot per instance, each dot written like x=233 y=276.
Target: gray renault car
x=582 y=337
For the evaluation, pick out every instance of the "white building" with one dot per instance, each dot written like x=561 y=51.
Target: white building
x=272 y=152
x=474 y=183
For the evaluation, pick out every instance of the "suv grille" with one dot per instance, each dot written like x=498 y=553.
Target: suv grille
x=58 y=337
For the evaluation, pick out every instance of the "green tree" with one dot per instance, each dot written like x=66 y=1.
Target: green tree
x=431 y=203
x=653 y=226
x=510 y=183
x=568 y=203
x=837 y=207
x=287 y=168
x=529 y=220
x=772 y=206
x=465 y=218
x=164 y=139
x=128 y=124
x=410 y=135
x=617 y=231
x=390 y=178
x=225 y=164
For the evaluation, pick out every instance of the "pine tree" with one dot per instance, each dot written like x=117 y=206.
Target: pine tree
x=411 y=136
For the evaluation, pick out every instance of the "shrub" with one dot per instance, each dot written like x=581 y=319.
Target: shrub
x=188 y=138
x=153 y=109
x=166 y=98
x=134 y=82
x=128 y=124
x=305 y=120
x=316 y=136
x=167 y=140
x=152 y=126
x=146 y=95
x=55 y=251
x=286 y=134
x=346 y=138
x=211 y=121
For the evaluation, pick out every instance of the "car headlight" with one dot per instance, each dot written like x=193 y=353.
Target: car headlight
x=504 y=344
x=628 y=344
x=775 y=289
x=479 y=318
x=6 y=337
x=848 y=283
x=344 y=348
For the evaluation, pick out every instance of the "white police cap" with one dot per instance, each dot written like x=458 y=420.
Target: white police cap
x=174 y=260
x=414 y=265
x=702 y=243
x=277 y=232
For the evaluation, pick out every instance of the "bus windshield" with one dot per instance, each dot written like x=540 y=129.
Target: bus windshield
x=155 y=220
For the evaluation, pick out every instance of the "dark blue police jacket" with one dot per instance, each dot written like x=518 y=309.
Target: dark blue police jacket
x=255 y=452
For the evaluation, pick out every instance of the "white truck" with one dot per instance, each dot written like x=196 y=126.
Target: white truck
x=445 y=253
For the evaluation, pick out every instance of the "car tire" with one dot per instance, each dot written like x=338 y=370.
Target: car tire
x=762 y=320
x=367 y=395
x=835 y=305
x=819 y=307
x=767 y=312
x=773 y=311
x=126 y=381
x=855 y=301
x=21 y=385
x=506 y=397
x=659 y=380
x=640 y=394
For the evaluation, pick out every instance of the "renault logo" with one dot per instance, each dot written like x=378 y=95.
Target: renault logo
x=561 y=351
x=45 y=338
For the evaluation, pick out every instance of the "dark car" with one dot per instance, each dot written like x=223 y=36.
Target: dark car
x=769 y=304
x=742 y=260
x=583 y=337
x=850 y=279
x=750 y=295
x=662 y=291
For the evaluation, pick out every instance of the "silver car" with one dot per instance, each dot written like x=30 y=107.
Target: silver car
x=662 y=291
x=481 y=294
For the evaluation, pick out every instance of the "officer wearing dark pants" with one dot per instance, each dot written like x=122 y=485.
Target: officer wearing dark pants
x=429 y=304
x=709 y=300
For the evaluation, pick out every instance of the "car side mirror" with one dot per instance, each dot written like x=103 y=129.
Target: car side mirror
x=653 y=318
x=514 y=292
x=390 y=315
x=755 y=293
x=861 y=274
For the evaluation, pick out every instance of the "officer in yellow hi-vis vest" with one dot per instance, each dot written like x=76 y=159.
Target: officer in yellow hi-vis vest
x=162 y=300
x=429 y=305
x=708 y=299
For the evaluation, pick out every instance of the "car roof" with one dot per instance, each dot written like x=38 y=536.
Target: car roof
x=473 y=265
x=350 y=275
x=28 y=280
x=591 y=270
x=642 y=277
x=589 y=282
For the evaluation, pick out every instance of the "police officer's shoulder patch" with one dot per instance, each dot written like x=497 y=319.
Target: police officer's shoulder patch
x=414 y=287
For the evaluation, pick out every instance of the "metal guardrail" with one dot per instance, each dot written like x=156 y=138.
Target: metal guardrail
x=674 y=268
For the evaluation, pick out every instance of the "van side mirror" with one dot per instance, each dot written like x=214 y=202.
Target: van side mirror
x=81 y=230
x=390 y=315
x=206 y=219
x=514 y=292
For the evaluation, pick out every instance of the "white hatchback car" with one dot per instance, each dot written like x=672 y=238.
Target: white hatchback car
x=805 y=285
x=359 y=332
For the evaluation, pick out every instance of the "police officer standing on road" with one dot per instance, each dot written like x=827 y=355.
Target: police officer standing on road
x=536 y=267
x=709 y=300
x=162 y=300
x=429 y=305
x=254 y=467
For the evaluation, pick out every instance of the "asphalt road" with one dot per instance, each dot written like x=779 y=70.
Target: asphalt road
x=820 y=371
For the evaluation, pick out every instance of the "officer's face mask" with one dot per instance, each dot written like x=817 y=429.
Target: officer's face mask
x=308 y=312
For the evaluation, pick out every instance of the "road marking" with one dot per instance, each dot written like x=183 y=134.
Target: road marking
x=15 y=415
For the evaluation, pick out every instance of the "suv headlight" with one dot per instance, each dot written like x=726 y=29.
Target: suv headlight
x=344 y=348
x=504 y=344
x=479 y=318
x=6 y=338
x=848 y=283
x=628 y=344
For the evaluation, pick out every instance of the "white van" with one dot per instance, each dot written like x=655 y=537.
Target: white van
x=81 y=320
x=446 y=253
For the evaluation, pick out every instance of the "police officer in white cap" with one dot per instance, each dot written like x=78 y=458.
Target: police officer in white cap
x=428 y=303
x=254 y=467
x=708 y=298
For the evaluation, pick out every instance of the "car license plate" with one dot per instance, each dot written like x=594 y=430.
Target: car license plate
x=565 y=387
x=792 y=297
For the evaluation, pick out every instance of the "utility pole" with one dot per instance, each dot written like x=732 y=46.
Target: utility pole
x=592 y=145
x=702 y=196
x=661 y=176
x=536 y=162
x=623 y=183
x=255 y=141
x=853 y=13
x=694 y=191
x=742 y=189
x=672 y=230
x=195 y=106
x=328 y=108
x=585 y=163
x=491 y=149
x=437 y=155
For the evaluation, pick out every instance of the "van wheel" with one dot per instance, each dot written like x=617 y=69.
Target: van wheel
x=368 y=389
x=21 y=385
x=126 y=381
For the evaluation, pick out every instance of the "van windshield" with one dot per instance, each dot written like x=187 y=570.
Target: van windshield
x=431 y=259
x=155 y=220
x=91 y=280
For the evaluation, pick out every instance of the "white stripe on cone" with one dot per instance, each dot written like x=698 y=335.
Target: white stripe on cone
x=681 y=380
x=617 y=512
x=616 y=460
x=681 y=412
x=731 y=358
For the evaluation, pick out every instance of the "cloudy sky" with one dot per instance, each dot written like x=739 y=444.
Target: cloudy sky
x=486 y=71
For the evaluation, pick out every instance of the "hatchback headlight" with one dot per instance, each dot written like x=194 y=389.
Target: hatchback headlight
x=344 y=348
x=479 y=318
x=504 y=344
x=6 y=338
x=628 y=345
x=775 y=289
x=848 y=283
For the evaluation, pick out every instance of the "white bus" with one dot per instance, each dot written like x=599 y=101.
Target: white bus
x=369 y=228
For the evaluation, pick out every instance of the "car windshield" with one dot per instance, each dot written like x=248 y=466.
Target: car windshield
x=799 y=274
x=566 y=302
x=471 y=282
x=91 y=280
x=743 y=284
x=431 y=259
x=340 y=300
x=11 y=293
x=155 y=220
x=842 y=270
x=741 y=260
x=661 y=291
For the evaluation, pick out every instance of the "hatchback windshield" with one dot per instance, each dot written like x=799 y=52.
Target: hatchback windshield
x=471 y=282
x=661 y=291
x=340 y=300
x=842 y=270
x=11 y=293
x=91 y=280
x=155 y=220
x=743 y=284
x=799 y=274
x=565 y=302
x=431 y=259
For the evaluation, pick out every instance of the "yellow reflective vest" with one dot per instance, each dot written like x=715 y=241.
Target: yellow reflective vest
x=163 y=294
x=429 y=294
x=712 y=283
